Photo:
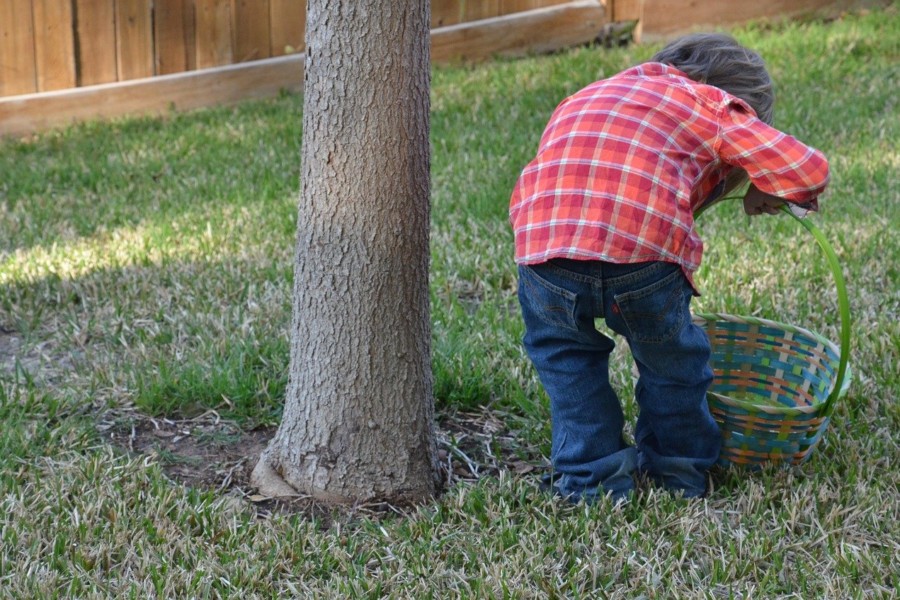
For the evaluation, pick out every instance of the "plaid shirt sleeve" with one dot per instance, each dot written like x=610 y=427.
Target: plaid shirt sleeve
x=776 y=163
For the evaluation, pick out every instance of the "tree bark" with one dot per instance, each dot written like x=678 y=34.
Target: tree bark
x=358 y=421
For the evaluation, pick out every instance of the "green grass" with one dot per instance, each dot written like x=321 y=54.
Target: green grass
x=145 y=266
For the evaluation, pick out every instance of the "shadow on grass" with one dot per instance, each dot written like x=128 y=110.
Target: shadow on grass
x=186 y=362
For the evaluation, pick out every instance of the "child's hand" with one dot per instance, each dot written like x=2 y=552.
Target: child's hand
x=757 y=202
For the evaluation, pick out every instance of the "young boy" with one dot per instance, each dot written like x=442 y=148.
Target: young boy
x=603 y=221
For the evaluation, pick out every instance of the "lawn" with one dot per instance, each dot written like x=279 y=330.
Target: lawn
x=145 y=279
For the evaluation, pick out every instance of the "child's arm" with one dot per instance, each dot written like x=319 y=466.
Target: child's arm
x=780 y=167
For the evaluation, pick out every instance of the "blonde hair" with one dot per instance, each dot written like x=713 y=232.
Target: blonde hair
x=718 y=59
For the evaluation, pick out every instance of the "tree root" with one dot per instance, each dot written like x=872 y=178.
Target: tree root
x=269 y=482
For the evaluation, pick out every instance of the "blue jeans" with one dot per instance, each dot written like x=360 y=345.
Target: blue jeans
x=649 y=305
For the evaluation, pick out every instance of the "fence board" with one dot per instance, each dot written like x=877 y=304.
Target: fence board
x=54 y=55
x=445 y=13
x=665 y=18
x=476 y=10
x=173 y=30
x=537 y=30
x=451 y=12
x=190 y=34
x=213 y=33
x=514 y=6
x=287 y=24
x=96 y=29
x=627 y=10
x=225 y=85
x=251 y=30
x=134 y=39
x=17 y=69
x=511 y=6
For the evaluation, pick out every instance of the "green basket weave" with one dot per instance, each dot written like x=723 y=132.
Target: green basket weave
x=775 y=385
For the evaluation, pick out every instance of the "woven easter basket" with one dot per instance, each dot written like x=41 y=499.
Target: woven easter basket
x=775 y=385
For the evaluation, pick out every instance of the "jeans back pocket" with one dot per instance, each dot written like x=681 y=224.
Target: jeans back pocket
x=545 y=300
x=656 y=312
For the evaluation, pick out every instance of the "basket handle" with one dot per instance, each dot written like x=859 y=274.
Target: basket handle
x=843 y=307
x=843 y=302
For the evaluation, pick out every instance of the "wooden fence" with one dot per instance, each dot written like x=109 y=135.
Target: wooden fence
x=63 y=61
x=50 y=45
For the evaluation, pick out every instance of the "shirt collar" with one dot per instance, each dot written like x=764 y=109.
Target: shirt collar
x=654 y=69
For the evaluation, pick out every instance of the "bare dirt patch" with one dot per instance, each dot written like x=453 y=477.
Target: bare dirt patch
x=206 y=451
x=41 y=362
x=209 y=452
x=11 y=353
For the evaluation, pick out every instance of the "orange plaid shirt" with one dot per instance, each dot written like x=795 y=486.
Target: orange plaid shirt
x=623 y=164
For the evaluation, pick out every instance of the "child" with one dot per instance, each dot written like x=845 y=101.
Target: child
x=603 y=221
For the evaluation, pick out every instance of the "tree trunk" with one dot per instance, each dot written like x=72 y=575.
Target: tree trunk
x=358 y=420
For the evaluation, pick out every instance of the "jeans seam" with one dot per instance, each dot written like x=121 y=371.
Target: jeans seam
x=622 y=280
x=580 y=277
